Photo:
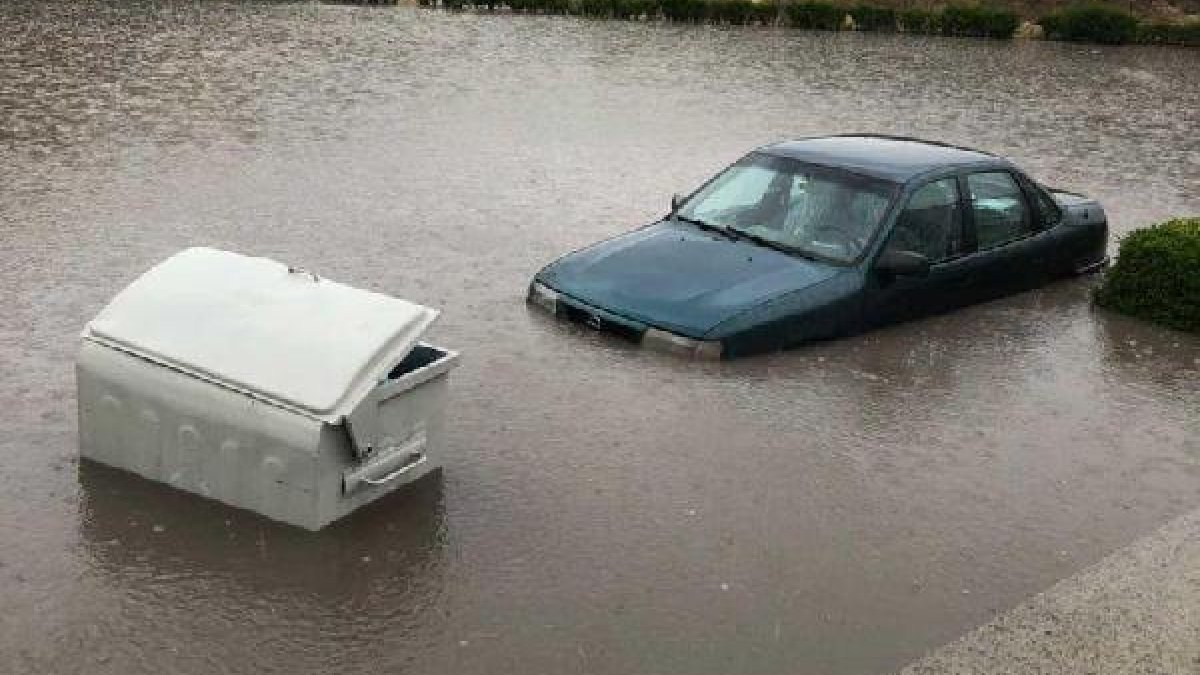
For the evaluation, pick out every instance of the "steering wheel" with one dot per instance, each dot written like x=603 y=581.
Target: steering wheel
x=904 y=238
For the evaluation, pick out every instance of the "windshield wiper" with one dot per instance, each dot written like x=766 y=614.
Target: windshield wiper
x=771 y=243
x=707 y=226
x=779 y=246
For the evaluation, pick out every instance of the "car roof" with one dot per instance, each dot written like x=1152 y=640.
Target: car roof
x=893 y=158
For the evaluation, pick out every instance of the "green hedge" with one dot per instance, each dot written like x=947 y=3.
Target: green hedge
x=815 y=15
x=870 y=17
x=1170 y=33
x=741 y=12
x=811 y=14
x=1157 y=275
x=687 y=11
x=916 y=20
x=1092 y=22
x=978 y=21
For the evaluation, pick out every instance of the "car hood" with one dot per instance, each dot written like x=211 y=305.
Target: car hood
x=679 y=277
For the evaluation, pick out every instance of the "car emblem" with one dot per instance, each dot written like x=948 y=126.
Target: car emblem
x=593 y=321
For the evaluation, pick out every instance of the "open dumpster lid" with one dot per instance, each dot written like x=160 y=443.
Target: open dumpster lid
x=258 y=326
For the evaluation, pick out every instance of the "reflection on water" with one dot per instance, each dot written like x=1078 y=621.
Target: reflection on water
x=129 y=522
x=370 y=581
x=838 y=509
x=1136 y=354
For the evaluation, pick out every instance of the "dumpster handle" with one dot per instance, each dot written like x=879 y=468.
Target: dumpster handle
x=301 y=270
x=420 y=458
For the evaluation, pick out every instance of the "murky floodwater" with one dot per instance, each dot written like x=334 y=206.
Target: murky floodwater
x=836 y=509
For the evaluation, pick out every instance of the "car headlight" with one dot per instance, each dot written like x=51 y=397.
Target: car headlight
x=661 y=340
x=543 y=296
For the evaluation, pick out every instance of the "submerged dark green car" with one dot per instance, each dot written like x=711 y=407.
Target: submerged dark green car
x=821 y=237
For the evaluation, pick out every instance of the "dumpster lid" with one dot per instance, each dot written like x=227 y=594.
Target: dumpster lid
x=263 y=328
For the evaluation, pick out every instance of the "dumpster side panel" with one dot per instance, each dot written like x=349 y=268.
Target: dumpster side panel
x=170 y=427
x=409 y=421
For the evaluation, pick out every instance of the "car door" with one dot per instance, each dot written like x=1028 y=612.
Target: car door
x=1013 y=251
x=932 y=224
x=1065 y=247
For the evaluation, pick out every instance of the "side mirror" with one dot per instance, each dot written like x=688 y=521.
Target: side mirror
x=903 y=263
x=676 y=202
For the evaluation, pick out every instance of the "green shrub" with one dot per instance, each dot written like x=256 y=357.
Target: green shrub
x=1091 y=22
x=1157 y=275
x=741 y=12
x=917 y=20
x=816 y=15
x=552 y=6
x=1186 y=34
x=1152 y=33
x=1170 y=33
x=690 y=11
x=977 y=21
x=765 y=13
x=533 y=6
x=728 y=11
x=634 y=9
x=871 y=17
x=596 y=8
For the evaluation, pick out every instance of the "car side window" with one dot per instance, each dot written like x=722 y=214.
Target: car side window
x=931 y=222
x=1044 y=207
x=998 y=207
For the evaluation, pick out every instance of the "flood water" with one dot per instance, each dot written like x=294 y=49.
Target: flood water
x=840 y=508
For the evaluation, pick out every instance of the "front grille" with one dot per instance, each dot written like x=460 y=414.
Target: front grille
x=599 y=322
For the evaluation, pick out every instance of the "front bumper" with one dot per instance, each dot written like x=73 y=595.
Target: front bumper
x=573 y=310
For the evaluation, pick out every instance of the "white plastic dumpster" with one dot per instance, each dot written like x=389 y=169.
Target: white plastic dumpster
x=262 y=386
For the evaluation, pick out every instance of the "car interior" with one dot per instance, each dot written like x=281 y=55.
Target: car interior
x=931 y=223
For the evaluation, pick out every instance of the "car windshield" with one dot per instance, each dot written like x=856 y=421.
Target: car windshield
x=808 y=209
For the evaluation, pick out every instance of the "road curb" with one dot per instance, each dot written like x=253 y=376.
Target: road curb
x=1136 y=611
